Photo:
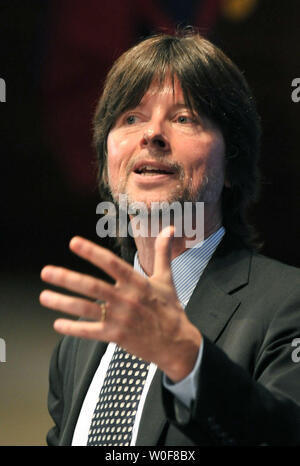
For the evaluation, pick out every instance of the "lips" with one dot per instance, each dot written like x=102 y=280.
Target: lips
x=152 y=168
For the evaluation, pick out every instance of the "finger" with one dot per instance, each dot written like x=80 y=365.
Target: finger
x=78 y=282
x=162 y=257
x=89 y=330
x=105 y=260
x=70 y=304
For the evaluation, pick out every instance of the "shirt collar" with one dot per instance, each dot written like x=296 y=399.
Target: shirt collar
x=188 y=267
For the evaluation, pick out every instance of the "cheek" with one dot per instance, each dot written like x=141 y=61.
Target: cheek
x=115 y=156
x=208 y=155
x=216 y=161
x=119 y=146
x=120 y=143
x=113 y=147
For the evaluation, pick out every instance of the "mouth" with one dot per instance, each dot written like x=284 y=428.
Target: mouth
x=152 y=169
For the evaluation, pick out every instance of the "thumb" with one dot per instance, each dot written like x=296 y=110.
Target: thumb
x=162 y=254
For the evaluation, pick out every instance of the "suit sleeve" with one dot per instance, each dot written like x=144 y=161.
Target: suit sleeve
x=235 y=406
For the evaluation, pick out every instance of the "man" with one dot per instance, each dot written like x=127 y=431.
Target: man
x=189 y=346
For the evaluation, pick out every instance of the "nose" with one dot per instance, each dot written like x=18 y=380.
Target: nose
x=153 y=138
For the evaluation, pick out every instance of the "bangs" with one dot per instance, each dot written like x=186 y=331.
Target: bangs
x=142 y=67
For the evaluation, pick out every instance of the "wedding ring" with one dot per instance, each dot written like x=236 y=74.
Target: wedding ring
x=103 y=310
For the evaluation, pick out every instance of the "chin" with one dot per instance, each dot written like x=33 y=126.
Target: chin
x=148 y=199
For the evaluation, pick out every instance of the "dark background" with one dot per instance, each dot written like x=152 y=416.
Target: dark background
x=53 y=57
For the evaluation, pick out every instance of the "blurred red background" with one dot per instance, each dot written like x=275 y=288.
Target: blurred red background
x=55 y=56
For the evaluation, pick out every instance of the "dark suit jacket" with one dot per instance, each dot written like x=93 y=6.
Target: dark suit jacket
x=248 y=309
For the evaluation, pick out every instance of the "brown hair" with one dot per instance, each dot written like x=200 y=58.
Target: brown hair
x=213 y=86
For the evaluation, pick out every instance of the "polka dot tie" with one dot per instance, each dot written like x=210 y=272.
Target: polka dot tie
x=118 y=401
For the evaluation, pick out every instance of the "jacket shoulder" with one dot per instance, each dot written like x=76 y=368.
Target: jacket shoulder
x=272 y=271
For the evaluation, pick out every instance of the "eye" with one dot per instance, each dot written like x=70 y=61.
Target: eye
x=185 y=119
x=130 y=119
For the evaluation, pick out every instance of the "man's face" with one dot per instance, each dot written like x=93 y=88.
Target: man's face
x=159 y=151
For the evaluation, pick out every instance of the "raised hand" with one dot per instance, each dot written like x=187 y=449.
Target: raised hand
x=143 y=315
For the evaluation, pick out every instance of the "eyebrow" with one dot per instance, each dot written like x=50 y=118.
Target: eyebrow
x=180 y=105
x=176 y=106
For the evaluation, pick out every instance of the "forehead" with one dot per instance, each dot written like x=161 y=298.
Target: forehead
x=168 y=88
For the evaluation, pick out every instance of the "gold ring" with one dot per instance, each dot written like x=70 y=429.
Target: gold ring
x=103 y=310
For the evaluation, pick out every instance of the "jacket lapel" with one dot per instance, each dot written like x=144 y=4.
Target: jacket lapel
x=88 y=357
x=214 y=301
x=153 y=411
